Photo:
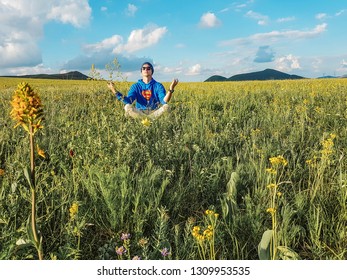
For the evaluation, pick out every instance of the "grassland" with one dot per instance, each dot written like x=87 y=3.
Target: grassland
x=261 y=157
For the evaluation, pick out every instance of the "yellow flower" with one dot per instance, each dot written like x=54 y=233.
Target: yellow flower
x=271 y=170
x=143 y=242
x=40 y=152
x=201 y=238
x=271 y=186
x=242 y=136
x=27 y=108
x=146 y=122
x=255 y=131
x=2 y=172
x=208 y=233
x=271 y=210
x=196 y=229
x=279 y=160
x=73 y=210
x=209 y=212
x=328 y=146
x=312 y=162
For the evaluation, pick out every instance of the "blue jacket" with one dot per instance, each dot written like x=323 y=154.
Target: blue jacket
x=147 y=96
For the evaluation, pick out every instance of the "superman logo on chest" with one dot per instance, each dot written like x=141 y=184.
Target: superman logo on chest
x=147 y=94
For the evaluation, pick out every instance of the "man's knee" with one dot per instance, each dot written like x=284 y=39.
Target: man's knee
x=166 y=107
x=127 y=107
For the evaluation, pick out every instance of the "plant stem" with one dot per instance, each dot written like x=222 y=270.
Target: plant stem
x=33 y=193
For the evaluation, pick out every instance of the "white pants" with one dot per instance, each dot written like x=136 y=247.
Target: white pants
x=136 y=113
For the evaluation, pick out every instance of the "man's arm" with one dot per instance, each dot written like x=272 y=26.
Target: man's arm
x=119 y=96
x=110 y=85
x=171 y=90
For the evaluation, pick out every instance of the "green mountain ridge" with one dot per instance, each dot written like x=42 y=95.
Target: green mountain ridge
x=267 y=74
x=73 y=75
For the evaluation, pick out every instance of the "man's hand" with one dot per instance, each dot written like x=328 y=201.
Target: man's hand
x=173 y=84
x=110 y=85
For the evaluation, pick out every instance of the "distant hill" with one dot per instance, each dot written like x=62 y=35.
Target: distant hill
x=267 y=74
x=216 y=78
x=73 y=75
x=327 y=77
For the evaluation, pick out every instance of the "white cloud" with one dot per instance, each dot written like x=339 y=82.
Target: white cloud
x=23 y=70
x=170 y=70
x=277 y=35
x=287 y=63
x=321 y=16
x=194 y=70
x=142 y=38
x=262 y=19
x=209 y=20
x=131 y=10
x=341 y=69
x=316 y=64
x=264 y=54
x=180 y=46
x=76 y=12
x=103 y=52
x=22 y=22
x=239 y=6
x=339 y=13
x=138 y=39
x=84 y=62
x=286 y=19
x=19 y=53
x=224 y=10
x=107 y=44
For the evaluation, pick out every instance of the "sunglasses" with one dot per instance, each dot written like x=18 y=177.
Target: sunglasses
x=146 y=68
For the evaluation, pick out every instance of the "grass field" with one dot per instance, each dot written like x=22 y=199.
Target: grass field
x=237 y=170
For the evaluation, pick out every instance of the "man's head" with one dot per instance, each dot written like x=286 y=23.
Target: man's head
x=146 y=67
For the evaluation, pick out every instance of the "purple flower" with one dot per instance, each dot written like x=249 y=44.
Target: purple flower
x=125 y=236
x=121 y=250
x=165 y=252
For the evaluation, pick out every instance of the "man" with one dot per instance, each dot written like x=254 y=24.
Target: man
x=148 y=95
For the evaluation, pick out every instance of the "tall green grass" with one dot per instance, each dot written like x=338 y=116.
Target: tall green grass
x=105 y=174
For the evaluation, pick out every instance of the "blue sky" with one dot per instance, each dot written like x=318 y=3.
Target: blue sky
x=189 y=40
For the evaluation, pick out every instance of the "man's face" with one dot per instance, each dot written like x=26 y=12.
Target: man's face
x=146 y=70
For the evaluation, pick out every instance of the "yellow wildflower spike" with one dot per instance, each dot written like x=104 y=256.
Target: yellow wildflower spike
x=73 y=210
x=26 y=108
